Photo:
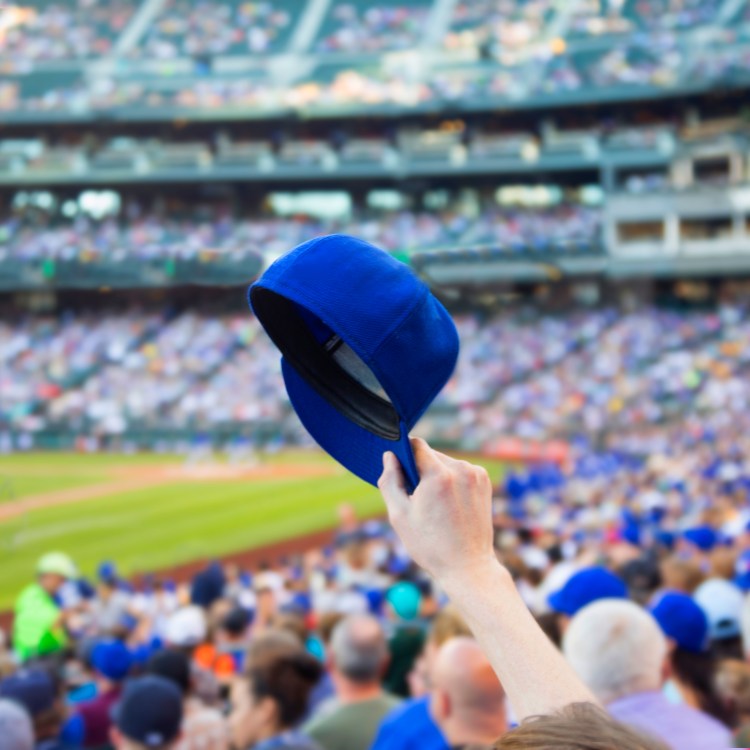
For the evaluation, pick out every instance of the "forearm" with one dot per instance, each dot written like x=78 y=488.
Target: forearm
x=535 y=675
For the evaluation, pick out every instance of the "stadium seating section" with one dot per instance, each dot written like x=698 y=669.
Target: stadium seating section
x=520 y=373
x=486 y=49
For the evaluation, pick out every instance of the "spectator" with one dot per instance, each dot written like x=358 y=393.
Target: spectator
x=35 y=690
x=111 y=662
x=267 y=709
x=468 y=701
x=203 y=727
x=407 y=638
x=692 y=667
x=357 y=662
x=619 y=652
x=16 y=732
x=411 y=726
x=149 y=715
x=38 y=623
x=722 y=602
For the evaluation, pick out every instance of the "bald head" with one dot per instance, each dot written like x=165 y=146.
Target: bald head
x=468 y=701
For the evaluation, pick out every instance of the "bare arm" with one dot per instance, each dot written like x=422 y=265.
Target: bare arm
x=447 y=528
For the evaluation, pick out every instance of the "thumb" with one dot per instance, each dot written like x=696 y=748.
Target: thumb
x=391 y=484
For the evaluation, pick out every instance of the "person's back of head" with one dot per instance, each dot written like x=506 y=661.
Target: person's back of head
x=148 y=716
x=468 y=701
x=616 y=648
x=580 y=726
x=359 y=652
x=16 y=732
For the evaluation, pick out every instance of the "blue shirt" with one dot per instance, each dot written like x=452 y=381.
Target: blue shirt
x=288 y=741
x=410 y=727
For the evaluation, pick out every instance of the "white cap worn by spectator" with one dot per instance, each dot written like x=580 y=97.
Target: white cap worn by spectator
x=16 y=732
x=722 y=602
x=186 y=627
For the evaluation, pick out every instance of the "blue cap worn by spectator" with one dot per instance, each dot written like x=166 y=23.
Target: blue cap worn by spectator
x=681 y=620
x=107 y=572
x=722 y=602
x=587 y=586
x=112 y=660
x=16 y=732
x=703 y=537
x=32 y=688
x=150 y=711
x=742 y=571
x=366 y=348
x=405 y=600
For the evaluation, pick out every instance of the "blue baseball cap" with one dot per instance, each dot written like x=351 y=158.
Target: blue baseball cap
x=682 y=620
x=149 y=711
x=112 y=660
x=742 y=571
x=703 y=537
x=587 y=586
x=366 y=348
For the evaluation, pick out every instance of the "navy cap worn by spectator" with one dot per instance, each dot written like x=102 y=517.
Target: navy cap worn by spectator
x=112 y=660
x=587 y=586
x=681 y=620
x=150 y=711
x=32 y=688
x=742 y=571
x=366 y=348
x=703 y=537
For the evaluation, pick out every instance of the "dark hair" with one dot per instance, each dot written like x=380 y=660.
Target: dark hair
x=698 y=671
x=173 y=665
x=580 y=726
x=287 y=680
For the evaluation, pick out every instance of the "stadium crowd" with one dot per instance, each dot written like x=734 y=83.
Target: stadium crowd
x=151 y=236
x=636 y=569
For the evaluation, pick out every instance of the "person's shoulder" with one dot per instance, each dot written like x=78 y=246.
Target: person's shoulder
x=391 y=701
x=405 y=710
x=29 y=593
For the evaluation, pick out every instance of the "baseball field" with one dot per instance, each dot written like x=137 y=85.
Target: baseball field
x=151 y=512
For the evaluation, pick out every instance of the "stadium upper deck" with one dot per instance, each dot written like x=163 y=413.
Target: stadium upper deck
x=144 y=59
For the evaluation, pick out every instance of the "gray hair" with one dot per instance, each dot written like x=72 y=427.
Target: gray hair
x=359 y=649
x=16 y=732
x=616 y=648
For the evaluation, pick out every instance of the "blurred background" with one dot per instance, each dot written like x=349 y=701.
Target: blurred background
x=571 y=178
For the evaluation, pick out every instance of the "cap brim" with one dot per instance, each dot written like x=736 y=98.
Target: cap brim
x=355 y=448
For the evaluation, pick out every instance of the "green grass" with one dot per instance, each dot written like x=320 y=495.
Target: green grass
x=148 y=529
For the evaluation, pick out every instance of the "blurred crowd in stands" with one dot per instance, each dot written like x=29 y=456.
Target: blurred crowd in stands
x=534 y=48
x=35 y=236
x=601 y=373
x=637 y=568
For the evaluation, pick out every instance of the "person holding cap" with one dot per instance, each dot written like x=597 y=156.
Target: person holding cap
x=112 y=662
x=39 y=622
x=148 y=715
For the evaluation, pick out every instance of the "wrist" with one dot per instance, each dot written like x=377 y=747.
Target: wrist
x=482 y=574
